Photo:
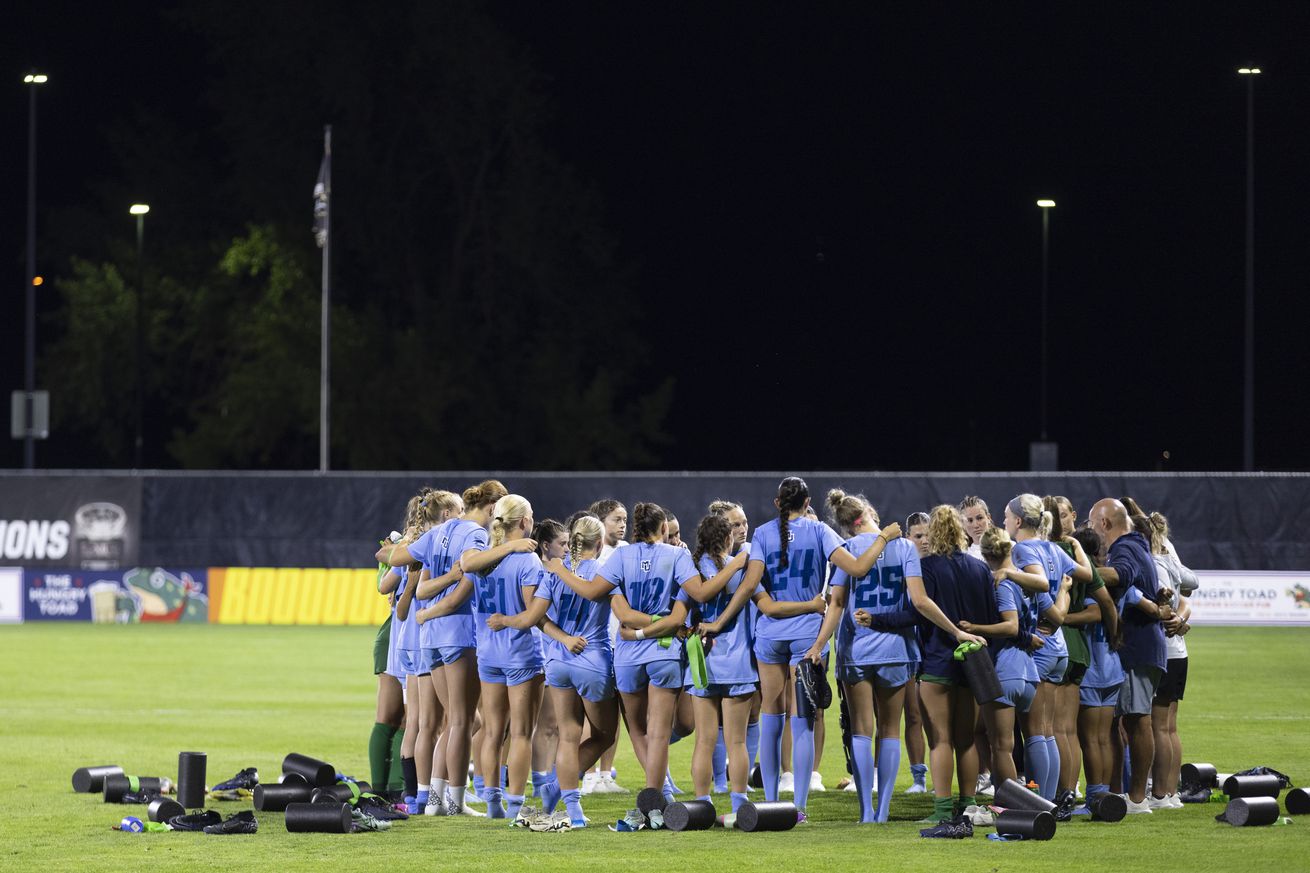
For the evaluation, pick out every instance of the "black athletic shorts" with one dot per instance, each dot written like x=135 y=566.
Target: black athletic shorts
x=1173 y=683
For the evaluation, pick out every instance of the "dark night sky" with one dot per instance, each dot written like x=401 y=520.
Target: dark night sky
x=907 y=143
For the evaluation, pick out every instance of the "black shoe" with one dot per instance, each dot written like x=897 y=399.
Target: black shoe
x=143 y=796
x=379 y=808
x=1065 y=802
x=956 y=829
x=814 y=682
x=196 y=821
x=1194 y=795
x=237 y=823
x=247 y=778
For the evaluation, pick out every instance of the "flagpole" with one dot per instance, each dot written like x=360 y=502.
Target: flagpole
x=326 y=333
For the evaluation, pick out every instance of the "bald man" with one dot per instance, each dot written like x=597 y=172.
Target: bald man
x=1129 y=566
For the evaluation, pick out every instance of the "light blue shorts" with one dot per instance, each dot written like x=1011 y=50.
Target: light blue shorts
x=1018 y=693
x=881 y=675
x=1098 y=696
x=782 y=651
x=590 y=684
x=510 y=676
x=661 y=674
x=443 y=655
x=414 y=662
x=1052 y=670
x=724 y=689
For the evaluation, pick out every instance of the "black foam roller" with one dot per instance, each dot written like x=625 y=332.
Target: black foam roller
x=191 y=779
x=777 y=816
x=1200 y=775
x=118 y=786
x=1245 y=812
x=757 y=777
x=1027 y=823
x=980 y=671
x=292 y=779
x=318 y=818
x=1297 y=801
x=1252 y=786
x=1013 y=795
x=1108 y=807
x=316 y=772
x=691 y=815
x=276 y=798
x=649 y=799
x=164 y=808
x=88 y=780
x=339 y=793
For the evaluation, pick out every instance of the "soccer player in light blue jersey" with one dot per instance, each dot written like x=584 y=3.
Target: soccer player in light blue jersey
x=579 y=663
x=790 y=556
x=508 y=660
x=740 y=524
x=1028 y=522
x=874 y=623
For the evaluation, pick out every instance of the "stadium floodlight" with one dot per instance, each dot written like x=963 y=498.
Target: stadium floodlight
x=35 y=79
x=1046 y=204
x=1249 y=71
x=139 y=209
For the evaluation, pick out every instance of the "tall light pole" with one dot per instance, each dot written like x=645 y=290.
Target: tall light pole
x=32 y=79
x=1047 y=206
x=139 y=210
x=1248 y=363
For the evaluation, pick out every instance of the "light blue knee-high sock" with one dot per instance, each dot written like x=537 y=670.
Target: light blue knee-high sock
x=720 y=763
x=1053 y=762
x=771 y=752
x=752 y=745
x=546 y=789
x=513 y=803
x=889 y=762
x=1036 y=764
x=495 y=798
x=573 y=803
x=862 y=755
x=802 y=758
x=737 y=801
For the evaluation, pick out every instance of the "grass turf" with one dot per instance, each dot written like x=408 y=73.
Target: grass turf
x=78 y=695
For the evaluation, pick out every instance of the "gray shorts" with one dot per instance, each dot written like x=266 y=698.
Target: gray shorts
x=1138 y=691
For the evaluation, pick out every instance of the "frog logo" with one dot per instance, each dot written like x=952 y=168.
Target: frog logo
x=1300 y=596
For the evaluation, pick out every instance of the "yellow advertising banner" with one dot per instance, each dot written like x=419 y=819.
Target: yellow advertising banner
x=292 y=595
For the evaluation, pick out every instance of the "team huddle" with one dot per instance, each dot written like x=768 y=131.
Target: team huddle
x=517 y=644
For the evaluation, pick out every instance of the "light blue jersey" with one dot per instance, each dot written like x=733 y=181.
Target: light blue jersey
x=579 y=617
x=810 y=544
x=729 y=660
x=881 y=591
x=650 y=576
x=500 y=590
x=1057 y=564
x=449 y=541
x=1105 y=671
x=404 y=634
x=1013 y=660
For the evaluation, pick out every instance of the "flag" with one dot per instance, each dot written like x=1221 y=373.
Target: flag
x=322 y=191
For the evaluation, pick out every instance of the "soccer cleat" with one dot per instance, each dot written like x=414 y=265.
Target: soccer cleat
x=531 y=817
x=247 y=778
x=1159 y=802
x=787 y=783
x=1065 y=802
x=1138 y=808
x=380 y=809
x=606 y=784
x=655 y=819
x=955 y=829
x=814 y=682
x=801 y=817
x=237 y=823
x=230 y=794
x=196 y=821
x=635 y=820
x=984 y=785
x=848 y=786
x=916 y=788
x=363 y=821
x=979 y=816
x=816 y=782
x=589 y=780
x=1175 y=802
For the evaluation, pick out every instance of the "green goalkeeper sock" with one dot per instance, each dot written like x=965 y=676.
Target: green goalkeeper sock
x=379 y=752
x=396 y=774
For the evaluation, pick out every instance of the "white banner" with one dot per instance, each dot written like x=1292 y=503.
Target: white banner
x=11 y=595
x=1251 y=598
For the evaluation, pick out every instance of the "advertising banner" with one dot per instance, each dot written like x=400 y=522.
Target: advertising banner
x=140 y=594
x=291 y=595
x=87 y=522
x=1251 y=598
x=11 y=595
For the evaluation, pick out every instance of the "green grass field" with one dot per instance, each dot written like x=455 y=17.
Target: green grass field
x=76 y=695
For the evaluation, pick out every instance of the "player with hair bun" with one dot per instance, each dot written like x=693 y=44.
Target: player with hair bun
x=876 y=645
